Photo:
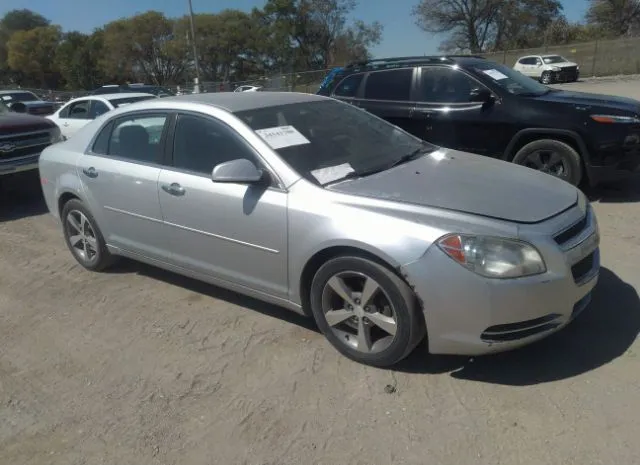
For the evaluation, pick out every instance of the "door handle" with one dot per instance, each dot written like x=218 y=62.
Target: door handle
x=65 y=124
x=173 y=189
x=90 y=172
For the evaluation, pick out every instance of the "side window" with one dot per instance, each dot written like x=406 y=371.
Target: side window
x=349 y=86
x=98 y=108
x=202 y=143
x=79 y=109
x=137 y=138
x=538 y=61
x=101 y=144
x=446 y=85
x=389 y=85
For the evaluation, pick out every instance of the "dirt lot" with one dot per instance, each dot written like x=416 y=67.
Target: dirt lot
x=139 y=366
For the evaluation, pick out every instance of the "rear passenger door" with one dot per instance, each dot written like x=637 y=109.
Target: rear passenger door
x=120 y=180
x=387 y=94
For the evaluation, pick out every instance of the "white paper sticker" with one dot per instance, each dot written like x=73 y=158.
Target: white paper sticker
x=495 y=74
x=332 y=173
x=282 y=136
x=6 y=98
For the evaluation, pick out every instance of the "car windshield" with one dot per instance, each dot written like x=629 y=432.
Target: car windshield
x=554 y=59
x=10 y=97
x=327 y=141
x=119 y=102
x=509 y=79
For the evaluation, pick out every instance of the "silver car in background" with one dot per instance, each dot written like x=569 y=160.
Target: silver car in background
x=325 y=209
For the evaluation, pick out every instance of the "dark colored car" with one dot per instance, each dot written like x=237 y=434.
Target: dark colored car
x=22 y=138
x=143 y=88
x=24 y=101
x=475 y=105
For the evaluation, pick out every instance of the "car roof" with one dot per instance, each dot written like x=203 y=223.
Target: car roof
x=13 y=91
x=114 y=96
x=239 y=101
x=551 y=55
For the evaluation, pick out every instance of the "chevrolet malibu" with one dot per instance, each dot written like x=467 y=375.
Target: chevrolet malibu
x=323 y=208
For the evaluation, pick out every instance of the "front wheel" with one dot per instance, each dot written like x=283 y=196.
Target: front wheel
x=551 y=157
x=83 y=237
x=546 y=78
x=366 y=311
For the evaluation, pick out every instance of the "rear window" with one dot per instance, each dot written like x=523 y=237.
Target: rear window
x=119 y=102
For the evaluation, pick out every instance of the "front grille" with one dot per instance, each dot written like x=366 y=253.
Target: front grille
x=521 y=329
x=583 y=267
x=568 y=73
x=571 y=232
x=20 y=145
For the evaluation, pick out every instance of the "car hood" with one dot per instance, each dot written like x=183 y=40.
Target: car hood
x=564 y=64
x=15 y=123
x=588 y=99
x=468 y=183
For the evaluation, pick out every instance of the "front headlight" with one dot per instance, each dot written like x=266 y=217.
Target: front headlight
x=493 y=257
x=56 y=135
x=555 y=68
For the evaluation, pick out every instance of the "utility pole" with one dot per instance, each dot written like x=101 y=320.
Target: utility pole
x=196 y=81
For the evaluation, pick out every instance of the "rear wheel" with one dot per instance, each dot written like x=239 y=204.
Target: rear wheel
x=366 y=311
x=551 y=157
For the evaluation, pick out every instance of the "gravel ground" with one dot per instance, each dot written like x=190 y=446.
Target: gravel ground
x=140 y=366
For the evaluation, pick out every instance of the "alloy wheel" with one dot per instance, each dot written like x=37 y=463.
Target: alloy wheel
x=82 y=237
x=359 y=312
x=549 y=162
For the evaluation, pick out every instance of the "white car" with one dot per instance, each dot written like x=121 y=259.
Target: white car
x=80 y=111
x=248 y=88
x=548 y=68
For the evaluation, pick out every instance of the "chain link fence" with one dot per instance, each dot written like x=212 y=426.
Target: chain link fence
x=596 y=59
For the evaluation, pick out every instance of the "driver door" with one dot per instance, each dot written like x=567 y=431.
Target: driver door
x=445 y=115
x=229 y=231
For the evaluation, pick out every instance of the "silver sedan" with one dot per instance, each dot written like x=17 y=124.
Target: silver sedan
x=325 y=209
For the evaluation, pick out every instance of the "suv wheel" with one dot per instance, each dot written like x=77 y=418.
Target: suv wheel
x=366 y=311
x=545 y=78
x=552 y=157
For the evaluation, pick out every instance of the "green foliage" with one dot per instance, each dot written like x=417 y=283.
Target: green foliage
x=232 y=45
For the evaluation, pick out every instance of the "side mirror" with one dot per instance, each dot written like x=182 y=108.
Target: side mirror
x=240 y=171
x=480 y=95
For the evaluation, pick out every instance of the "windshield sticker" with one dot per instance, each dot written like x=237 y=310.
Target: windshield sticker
x=6 y=98
x=495 y=74
x=280 y=137
x=332 y=173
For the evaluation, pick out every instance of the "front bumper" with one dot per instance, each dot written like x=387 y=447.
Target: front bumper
x=467 y=314
x=17 y=165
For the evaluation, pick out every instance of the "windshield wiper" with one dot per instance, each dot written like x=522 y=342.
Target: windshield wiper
x=417 y=153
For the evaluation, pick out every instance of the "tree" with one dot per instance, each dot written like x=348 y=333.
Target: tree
x=469 y=23
x=311 y=32
x=615 y=17
x=77 y=59
x=32 y=54
x=14 y=21
x=482 y=25
x=144 y=46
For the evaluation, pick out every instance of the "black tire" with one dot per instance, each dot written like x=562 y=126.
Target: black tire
x=546 y=77
x=409 y=320
x=101 y=259
x=569 y=158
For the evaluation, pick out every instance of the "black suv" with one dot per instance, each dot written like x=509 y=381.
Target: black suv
x=473 y=104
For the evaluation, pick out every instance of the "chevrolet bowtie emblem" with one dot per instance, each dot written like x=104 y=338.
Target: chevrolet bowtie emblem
x=6 y=148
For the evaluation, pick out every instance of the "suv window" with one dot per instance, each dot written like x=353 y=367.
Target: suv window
x=137 y=137
x=445 y=85
x=202 y=143
x=528 y=61
x=389 y=85
x=349 y=86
